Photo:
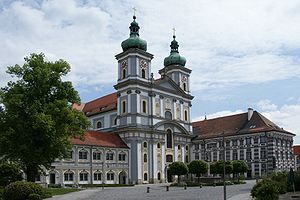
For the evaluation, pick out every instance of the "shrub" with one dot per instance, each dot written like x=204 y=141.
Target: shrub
x=9 y=173
x=34 y=197
x=21 y=190
x=265 y=190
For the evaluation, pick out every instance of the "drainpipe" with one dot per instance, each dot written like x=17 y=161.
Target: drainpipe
x=91 y=164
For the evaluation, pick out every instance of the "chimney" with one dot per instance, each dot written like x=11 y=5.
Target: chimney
x=250 y=113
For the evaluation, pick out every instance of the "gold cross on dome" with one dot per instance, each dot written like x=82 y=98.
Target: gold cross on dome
x=134 y=10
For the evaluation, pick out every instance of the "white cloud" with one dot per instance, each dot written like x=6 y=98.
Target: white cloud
x=266 y=105
x=225 y=42
x=286 y=116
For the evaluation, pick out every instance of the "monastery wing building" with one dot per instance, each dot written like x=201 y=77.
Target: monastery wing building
x=139 y=130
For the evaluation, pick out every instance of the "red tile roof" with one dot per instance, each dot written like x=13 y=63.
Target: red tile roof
x=102 y=104
x=296 y=150
x=97 y=138
x=234 y=124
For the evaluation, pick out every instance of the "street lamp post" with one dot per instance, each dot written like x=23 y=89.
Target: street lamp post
x=224 y=168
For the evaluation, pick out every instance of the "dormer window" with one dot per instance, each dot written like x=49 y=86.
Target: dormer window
x=99 y=125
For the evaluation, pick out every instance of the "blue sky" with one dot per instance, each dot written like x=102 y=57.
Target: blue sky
x=242 y=53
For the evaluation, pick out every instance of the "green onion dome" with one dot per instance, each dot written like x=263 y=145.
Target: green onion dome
x=134 y=41
x=174 y=58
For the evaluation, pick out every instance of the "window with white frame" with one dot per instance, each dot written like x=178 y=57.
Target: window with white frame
x=96 y=155
x=122 y=156
x=83 y=176
x=123 y=110
x=144 y=106
x=83 y=154
x=110 y=176
x=97 y=176
x=69 y=176
x=109 y=156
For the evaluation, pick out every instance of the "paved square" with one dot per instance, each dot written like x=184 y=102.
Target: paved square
x=157 y=192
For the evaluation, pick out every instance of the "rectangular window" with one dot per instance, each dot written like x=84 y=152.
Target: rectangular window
x=122 y=157
x=83 y=176
x=96 y=156
x=110 y=176
x=109 y=156
x=248 y=155
x=234 y=155
x=123 y=107
x=97 y=176
x=83 y=155
x=262 y=139
x=196 y=156
x=68 y=176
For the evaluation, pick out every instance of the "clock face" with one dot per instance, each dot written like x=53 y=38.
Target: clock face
x=124 y=64
x=143 y=64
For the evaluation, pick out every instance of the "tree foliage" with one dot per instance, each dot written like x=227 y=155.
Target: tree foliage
x=38 y=121
x=198 y=167
x=239 y=166
x=217 y=167
x=265 y=190
x=178 y=168
x=9 y=173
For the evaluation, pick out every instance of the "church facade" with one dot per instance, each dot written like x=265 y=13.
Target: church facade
x=149 y=125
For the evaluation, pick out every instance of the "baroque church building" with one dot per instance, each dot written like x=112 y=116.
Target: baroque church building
x=139 y=130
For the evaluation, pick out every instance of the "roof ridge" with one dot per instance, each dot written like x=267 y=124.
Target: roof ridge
x=216 y=118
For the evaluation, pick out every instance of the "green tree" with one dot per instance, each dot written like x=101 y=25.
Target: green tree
x=178 y=168
x=9 y=173
x=38 y=121
x=219 y=167
x=265 y=190
x=239 y=166
x=198 y=167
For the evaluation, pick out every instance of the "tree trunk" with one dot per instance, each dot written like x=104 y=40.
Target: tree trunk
x=31 y=172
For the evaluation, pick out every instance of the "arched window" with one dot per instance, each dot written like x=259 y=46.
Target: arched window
x=123 y=106
x=143 y=73
x=110 y=176
x=168 y=115
x=145 y=177
x=145 y=157
x=169 y=139
x=83 y=176
x=187 y=147
x=97 y=176
x=169 y=158
x=179 y=147
x=184 y=86
x=186 y=115
x=83 y=154
x=69 y=176
x=145 y=144
x=123 y=73
x=158 y=176
x=144 y=106
x=158 y=145
x=157 y=109
x=99 y=124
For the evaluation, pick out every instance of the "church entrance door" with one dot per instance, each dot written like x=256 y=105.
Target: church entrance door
x=52 y=178
x=122 y=177
x=169 y=176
